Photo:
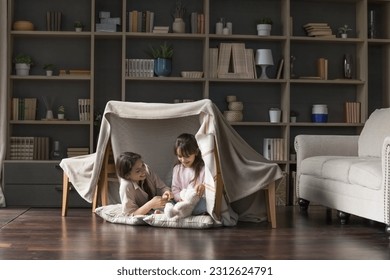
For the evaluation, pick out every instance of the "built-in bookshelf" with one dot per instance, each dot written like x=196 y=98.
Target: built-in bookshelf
x=97 y=64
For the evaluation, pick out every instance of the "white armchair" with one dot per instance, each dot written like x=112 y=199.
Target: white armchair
x=348 y=173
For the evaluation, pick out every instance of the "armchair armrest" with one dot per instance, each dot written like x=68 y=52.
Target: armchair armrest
x=324 y=145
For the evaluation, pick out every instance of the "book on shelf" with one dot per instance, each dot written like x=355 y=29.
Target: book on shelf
x=29 y=148
x=279 y=70
x=77 y=151
x=84 y=109
x=140 y=21
x=53 y=21
x=160 y=29
x=274 y=149
x=352 y=112
x=318 y=30
x=64 y=72
x=24 y=108
x=322 y=68
x=213 y=63
x=136 y=67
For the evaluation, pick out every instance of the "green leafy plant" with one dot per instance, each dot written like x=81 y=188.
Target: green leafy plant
x=24 y=58
x=265 y=20
x=61 y=109
x=163 y=51
x=78 y=24
x=48 y=66
x=344 y=29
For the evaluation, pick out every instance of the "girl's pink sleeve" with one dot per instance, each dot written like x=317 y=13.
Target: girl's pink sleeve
x=176 y=183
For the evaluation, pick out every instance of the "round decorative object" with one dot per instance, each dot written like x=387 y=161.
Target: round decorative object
x=236 y=106
x=233 y=116
x=23 y=25
x=231 y=98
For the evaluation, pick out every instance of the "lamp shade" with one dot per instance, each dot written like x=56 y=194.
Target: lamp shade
x=264 y=57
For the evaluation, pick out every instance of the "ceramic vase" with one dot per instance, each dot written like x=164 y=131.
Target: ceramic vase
x=178 y=26
x=162 y=67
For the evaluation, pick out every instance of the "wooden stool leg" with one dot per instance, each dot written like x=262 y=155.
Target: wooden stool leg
x=65 y=192
x=271 y=203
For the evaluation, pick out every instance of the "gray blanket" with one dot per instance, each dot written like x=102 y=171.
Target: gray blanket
x=150 y=129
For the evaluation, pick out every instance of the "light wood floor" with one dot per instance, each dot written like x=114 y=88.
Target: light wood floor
x=36 y=233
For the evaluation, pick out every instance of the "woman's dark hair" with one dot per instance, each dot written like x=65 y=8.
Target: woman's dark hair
x=125 y=164
x=187 y=145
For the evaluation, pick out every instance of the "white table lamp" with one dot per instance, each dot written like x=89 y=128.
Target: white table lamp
x=264 y=59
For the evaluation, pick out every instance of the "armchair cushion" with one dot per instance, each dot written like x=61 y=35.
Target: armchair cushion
x=374 y=132
x=350 y=170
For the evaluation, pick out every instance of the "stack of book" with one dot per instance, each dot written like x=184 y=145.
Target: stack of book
x=76 y=151
x=322 y=68
x=232 y=61
x=274 y=149
x=352 y=112
x=160 y=29
x=84 y=109
x=318 y=30
x=107 y=23
x=139 y=67
x=140 y=21
x=29 y=148
x=24 y=108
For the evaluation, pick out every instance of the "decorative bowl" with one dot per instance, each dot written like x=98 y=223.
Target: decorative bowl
x=23 y=25
x=192 y=74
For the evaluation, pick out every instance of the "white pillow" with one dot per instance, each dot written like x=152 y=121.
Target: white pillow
x=374 y=132
x=197 y=222
x=113 y=214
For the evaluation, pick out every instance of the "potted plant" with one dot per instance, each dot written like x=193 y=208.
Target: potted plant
x=61 y=112
x=293 y=116
x=178 y=25
x=162 y=59
x=78 y=26
x=49 y=68
x=343 y=30
x=23 y=63
x=264 y=26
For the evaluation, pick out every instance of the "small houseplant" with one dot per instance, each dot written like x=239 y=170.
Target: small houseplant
x=162 y=59
x=23 y=63
x=78 y=26
x=61 y=112
x=264 y=26
x=49 y=68
x=343 y=30
x=179 y=25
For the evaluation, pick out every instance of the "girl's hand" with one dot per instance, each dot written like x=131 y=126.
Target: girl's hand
x=167 y=195
x=199 y=189
x=158 y=202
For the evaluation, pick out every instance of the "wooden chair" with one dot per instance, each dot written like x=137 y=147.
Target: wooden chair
x=101 y=195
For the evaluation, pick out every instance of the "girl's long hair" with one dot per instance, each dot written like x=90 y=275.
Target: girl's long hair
x=125 y=164
x=187 y=145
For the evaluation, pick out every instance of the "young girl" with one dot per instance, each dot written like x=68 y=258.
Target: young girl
x=140 y=190
x=189 y=170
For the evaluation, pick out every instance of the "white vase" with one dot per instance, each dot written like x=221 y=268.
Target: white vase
x=49 y=73
x=61 y=116
x=274 y=115
x=22 y=69
x=178 y=26
x=49 y=114
x=264 y=29
x=344 y=35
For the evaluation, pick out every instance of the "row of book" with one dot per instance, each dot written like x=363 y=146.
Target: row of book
x=140 y=21
x=139 y=67
x=232 y=61
x=197 y=23
x=24 y=108
x=352 y=112
x=53 y=21
x=77 y=151
x=274 y=149
x=318 y=29
x=84 y=109
x=29 y=148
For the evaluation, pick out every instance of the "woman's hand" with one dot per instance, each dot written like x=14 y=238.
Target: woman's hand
x=157 y=202
x=199 y=189
x=168 y=195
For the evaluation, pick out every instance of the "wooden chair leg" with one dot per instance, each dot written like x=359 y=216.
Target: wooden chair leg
x=65 y=192
x=270 y=196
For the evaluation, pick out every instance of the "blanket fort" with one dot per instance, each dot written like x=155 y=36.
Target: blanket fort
x=150 y=129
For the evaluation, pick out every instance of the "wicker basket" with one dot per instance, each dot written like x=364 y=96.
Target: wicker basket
x=231 y=98
x=236 y=106
x=192 y=74
x=233 y=116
